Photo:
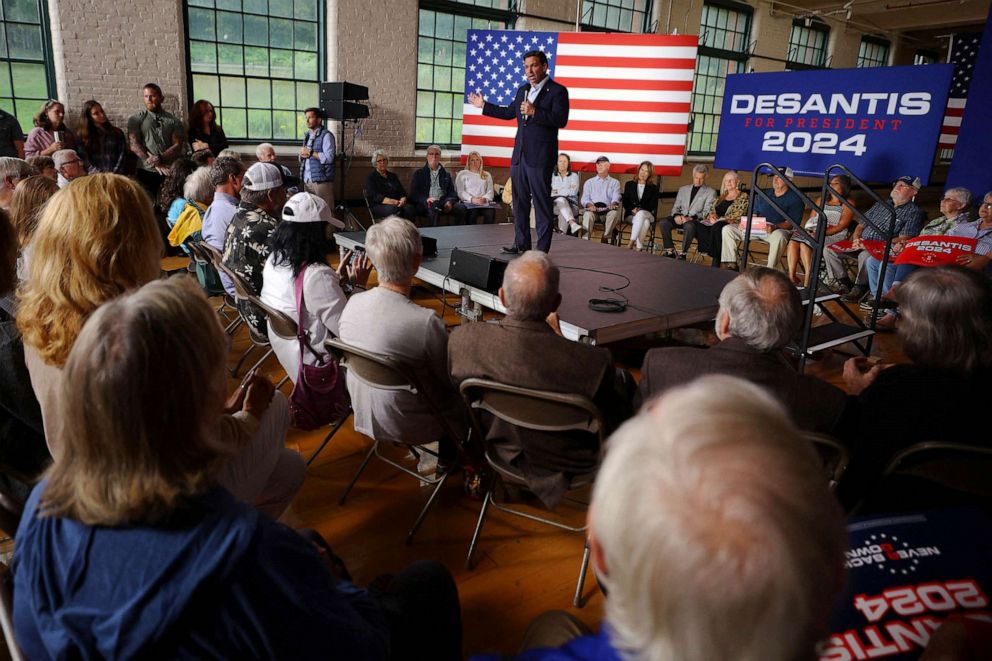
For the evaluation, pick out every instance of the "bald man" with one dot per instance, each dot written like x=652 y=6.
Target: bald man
x=524 y=350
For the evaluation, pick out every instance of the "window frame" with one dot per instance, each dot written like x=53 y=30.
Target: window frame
x=47 y=61
x=870 y=40
x=589 y=26
x=740 y=57
x=452 y=8
x=321 y=55
x=815 y=27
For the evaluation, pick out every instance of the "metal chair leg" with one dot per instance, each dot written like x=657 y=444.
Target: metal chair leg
x=426 y=508
x=261 y=360
x=577 y=601
x=365 y=462
x=327 y=438
x=241 y=360
x=478 y=525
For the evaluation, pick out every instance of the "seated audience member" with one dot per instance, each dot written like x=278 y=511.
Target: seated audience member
x=692 y=202
x=839 y=219
x=640 y=204
x=601 y=201
x=230 y=153
x=760 y=313
x=102 y=145
x=432 y=190
x=475 y=187
x=49 y=124
x=203 y=158
x=164 y=562
x=22 y=436
x=198 y=191
x=12 y=170
x=204 y=133
x=711 y=541
x=226 y=175
x=728 y=207
x=96 y=240
x=954 y=211
x=246 y=245
x=909 y=220
x=170 y=195
x=300 y=245
x=779 y=228
x=946 y=330
x=386 y=194
x=69 y=166
x=564 y=195
x=413 y=334
x=26 y=205
x=523 y=350
x=45 y=166
x=265 y=153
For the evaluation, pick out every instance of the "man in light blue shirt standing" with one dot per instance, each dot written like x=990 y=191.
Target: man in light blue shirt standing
x=226 y=175
x=317 y=158
x=601 y=200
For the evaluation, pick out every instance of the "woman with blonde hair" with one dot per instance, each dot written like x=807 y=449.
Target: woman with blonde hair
x=96 y=240
x=128 y=548
x=26 y=204
x=728 y=207
x=474 y=187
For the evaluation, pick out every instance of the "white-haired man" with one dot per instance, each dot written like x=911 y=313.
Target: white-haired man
x=386 y=321
x=692 y=202
x=68 y=165
x=712 y=541
x=12 y=170
x=523 y=350
x=760 y=313
x=265 y=153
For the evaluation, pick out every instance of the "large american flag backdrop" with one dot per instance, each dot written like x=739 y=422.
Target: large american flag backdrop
x=628 y=95
x=964 y=52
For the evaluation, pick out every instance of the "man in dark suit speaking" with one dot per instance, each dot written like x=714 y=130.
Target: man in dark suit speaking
x=541 y=108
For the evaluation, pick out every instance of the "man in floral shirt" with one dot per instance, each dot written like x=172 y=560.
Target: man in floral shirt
x=246 y=248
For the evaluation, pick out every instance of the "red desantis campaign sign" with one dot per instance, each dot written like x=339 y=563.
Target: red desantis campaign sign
x=906 y=574
x=936 y=250
x=881 y=123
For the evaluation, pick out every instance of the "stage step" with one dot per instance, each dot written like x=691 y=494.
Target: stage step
x=830 y=335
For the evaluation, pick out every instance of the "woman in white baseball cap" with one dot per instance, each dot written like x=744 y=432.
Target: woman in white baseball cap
x=300 y=246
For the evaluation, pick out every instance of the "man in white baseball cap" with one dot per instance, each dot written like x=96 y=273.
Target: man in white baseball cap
x=263 y=194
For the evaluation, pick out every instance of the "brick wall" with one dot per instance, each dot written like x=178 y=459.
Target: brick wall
x=107 y=50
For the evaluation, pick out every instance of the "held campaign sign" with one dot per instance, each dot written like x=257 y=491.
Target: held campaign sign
x=882 y=123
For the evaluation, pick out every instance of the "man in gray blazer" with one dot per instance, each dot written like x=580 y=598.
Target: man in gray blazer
x=692 y=202
x=760 y=312
x=524 y=350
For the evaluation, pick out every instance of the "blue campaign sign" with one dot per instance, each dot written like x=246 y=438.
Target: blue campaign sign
x=881 y=123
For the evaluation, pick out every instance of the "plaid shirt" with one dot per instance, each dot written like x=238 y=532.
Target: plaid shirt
x=909 y=221
x=246 y=247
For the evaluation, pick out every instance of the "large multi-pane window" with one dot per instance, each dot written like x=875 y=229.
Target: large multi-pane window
x=441 y=68
x=25 y=54
x=808 y=44
x=258 y=61
x=616 y=15
x=874 y=52
x=725 y=33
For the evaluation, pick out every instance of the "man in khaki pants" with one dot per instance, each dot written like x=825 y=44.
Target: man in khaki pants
x=317 y=158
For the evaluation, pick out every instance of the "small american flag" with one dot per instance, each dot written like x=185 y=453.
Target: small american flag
x=964 y=52
x=628 y=95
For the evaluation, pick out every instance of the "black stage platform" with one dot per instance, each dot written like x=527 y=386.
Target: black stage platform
x=663 y=293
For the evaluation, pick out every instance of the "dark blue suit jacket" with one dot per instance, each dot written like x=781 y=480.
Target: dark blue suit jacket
x=420 y=185
x=537 y=138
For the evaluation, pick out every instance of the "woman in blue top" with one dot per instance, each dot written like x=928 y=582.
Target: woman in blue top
x=129 y=548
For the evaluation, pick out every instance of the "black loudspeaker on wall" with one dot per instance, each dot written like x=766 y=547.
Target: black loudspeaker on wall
x=477 y=270
x=337 y=100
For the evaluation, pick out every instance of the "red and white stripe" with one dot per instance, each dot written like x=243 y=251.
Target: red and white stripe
x=952 y=123
x=629 y=98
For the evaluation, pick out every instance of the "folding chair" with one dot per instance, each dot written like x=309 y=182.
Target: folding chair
x=536 y=410
x=7 y=612
x=833 y=454
x=386 y=373
x=368 y=206
x=242 y=293
x=228 y=302
x=282 y=325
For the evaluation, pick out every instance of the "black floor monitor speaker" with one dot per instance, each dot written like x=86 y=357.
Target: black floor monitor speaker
x=430 y=246
x=481 y=271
